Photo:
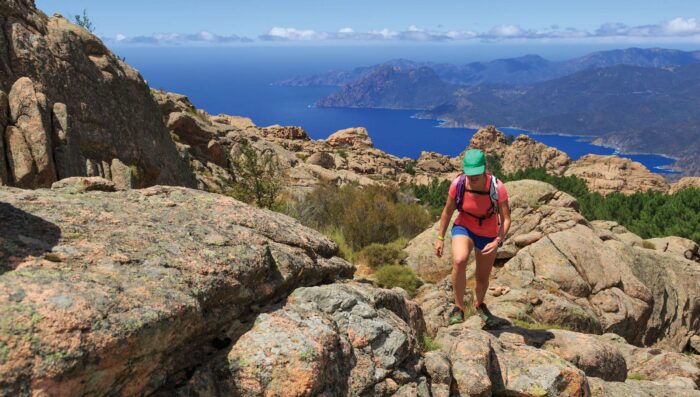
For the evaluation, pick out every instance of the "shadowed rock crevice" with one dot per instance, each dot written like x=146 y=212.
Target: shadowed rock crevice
x=22 y=235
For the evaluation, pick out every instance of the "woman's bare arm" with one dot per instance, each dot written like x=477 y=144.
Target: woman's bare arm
x=447 y=211
x=504 y=213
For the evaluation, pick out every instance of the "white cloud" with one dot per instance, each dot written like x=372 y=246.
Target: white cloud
x=507 y=31
x=681 y=26
x=280 y=33
x=203 y=37
x=677 y=29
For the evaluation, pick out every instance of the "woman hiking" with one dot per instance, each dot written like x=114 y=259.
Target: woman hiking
x=482 y=223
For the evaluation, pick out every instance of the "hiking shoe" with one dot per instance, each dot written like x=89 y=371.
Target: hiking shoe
x=491 y=321
x=456 y=315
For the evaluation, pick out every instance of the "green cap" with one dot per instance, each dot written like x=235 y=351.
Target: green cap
x=474 y=162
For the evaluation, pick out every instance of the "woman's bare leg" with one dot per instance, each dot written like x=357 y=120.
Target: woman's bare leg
x=484 y=263
x=461 y=248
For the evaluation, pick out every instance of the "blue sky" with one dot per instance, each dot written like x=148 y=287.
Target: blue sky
x=244 y=21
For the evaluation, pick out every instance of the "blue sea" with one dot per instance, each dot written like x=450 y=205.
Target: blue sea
x=237 y=81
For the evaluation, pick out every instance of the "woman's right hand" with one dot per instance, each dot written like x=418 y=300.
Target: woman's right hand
x=439 y=244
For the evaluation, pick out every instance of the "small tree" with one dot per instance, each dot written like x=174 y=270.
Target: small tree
x=258 y=176
x=84 y=22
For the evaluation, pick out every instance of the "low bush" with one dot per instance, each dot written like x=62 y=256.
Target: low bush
x=636 y=376
x=258 y=176
x=411 y=168
x=397 y=276
x=429 y=344
x=344 y=250
x=377 y=255
x=412 y=219
x=373 y=214
x=369 y=219
x=539 y=326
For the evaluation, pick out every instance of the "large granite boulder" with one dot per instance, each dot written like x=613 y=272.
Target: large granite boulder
x=655 y=364
x=679 y=246
x=74 y=107
x=339 y=339
x=484 y=364
x=639 y=388
x=614 y=174
x=123 y=293
x=350 y=137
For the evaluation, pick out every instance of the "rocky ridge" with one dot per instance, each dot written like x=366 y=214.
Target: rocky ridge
x=70 y=107
x=208 y=142
x=349 y=155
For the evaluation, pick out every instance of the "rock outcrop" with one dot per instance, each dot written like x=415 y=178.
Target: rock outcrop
x=679 y=246
x=609 y=174
x=347 y=156
x=685 y=183
x=603 y=174
x=70 y=107
x=350 y=137
x=125 y=292
x=331 y=340
x=523 y=153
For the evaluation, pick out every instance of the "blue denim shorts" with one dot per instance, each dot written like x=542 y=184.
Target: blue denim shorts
x=479 y=241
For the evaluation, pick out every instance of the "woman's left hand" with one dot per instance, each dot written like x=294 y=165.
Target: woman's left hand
x=490 y=247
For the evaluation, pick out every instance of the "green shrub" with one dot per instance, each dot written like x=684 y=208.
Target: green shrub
x=377 y=255
x=344 y=249
x=636 y=376
x=412 y=219
x=258 y=177
x=648 y=245
x=494 y=167
x=429 y=344
x=539 y=326
x=411 y=168
x=399 y=244
x=370 y=219
x=397 y=276
x=84 y=21
x=343 y=153
x=433 y=195
x=510 y=138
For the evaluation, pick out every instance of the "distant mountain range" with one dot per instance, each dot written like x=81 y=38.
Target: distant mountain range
x=635 y=100
x=521 y=70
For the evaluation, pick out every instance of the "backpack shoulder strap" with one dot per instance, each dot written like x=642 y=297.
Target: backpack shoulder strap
x=493 y=190
x=459 y=196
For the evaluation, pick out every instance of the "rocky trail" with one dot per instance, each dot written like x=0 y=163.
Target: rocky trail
x=124 y=272
x=173 y=291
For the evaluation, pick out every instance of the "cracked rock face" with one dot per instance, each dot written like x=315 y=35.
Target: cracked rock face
x=123 y=291
x=331 y=340
x=74 y=107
